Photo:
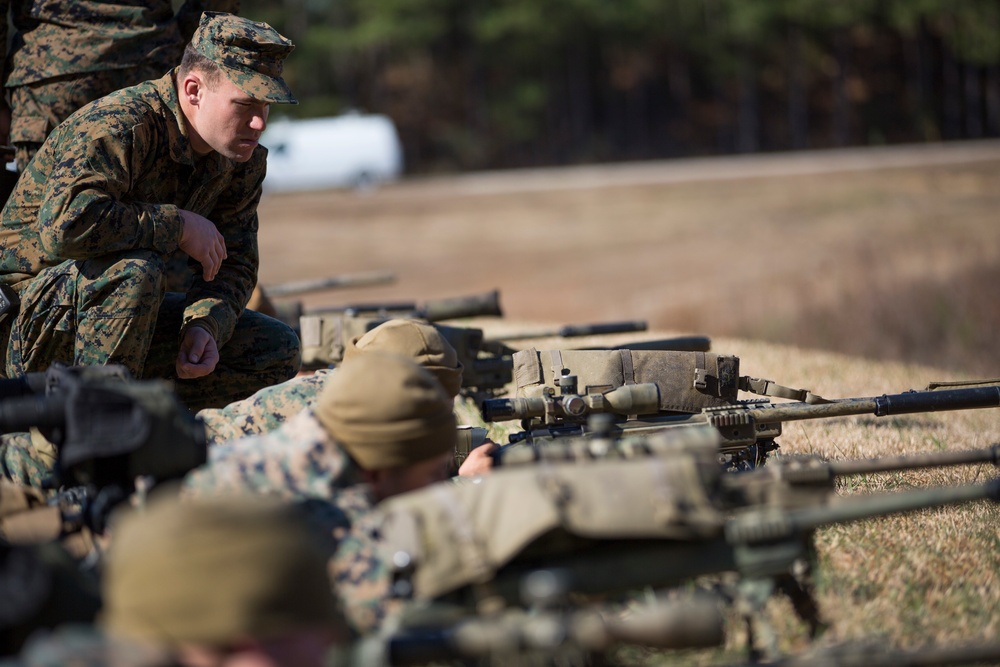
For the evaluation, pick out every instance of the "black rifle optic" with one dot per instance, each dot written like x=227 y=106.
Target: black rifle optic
x=108 y=431
x=747 y=429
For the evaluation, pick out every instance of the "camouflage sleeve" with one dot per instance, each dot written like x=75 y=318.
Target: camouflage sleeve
x=295 y=462
x=85 y=212
x=189 y=15
x=216 y=305
x=263 y=412
x=362 y=579
x=332 y=518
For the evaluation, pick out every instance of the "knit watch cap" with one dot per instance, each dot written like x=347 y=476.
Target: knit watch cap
x=415 y=340
x=386 y=411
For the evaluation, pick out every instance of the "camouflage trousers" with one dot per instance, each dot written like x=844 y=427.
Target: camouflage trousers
x=26 y=459
x=114 y=310
x=37 y=108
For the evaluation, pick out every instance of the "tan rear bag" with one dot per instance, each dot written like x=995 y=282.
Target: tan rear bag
x=455 y=535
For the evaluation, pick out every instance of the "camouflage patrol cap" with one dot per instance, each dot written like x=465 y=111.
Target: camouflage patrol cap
x=415 y=340
x=249 y=53
x=387 y=412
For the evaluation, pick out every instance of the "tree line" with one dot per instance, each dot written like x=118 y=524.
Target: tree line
x=476 y=84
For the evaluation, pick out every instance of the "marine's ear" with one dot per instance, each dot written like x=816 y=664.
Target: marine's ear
x=191 y=87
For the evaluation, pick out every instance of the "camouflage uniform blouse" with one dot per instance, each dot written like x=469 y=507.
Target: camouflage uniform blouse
x=112 y=179
x=265 y=411
x=297 y=461
x=59 y=37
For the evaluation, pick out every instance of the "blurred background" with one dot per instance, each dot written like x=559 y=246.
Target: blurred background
x=480 y=84
x=814 y=173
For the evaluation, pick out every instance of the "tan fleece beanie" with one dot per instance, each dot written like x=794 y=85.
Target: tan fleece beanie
x=386 y=411
x=214 y=572
x=418 y=341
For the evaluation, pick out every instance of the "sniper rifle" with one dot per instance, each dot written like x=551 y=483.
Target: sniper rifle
x=748 y=429
x=612 y=526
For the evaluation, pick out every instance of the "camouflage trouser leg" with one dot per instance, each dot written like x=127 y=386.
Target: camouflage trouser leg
x=261 y=352
x=37 y=108
x=100 y=311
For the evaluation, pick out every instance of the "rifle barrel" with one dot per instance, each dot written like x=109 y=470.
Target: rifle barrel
x=776 y=524
x=909 y=402
x=915 y=462
x=677 y=344
x=24 y=385
x=296 y=287
x=578 y=330
x=20 y=414
x=486 y=304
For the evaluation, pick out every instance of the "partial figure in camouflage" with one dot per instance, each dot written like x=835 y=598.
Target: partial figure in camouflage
x=379 y=427
x=117 y=189
x=289 y=453
x=26 y=458
x=267 y=410
x=206 y=583
x=67 y=53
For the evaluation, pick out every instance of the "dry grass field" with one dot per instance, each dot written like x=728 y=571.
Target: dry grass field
x=900 y=263
x=846 y=283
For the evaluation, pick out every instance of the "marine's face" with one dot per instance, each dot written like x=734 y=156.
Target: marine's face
x=228 y=121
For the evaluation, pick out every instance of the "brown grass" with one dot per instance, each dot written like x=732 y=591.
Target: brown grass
x=910 y=580
x=901 y=267
x=896 y=264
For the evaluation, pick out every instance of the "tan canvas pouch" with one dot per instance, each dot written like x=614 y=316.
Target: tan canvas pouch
x=460 y=534
x=324 y=337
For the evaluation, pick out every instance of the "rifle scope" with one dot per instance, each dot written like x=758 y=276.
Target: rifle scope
x=632 y=399
x=24 y=385
x=20 y=414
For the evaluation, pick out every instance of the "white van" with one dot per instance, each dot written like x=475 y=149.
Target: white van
x=353 y=151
